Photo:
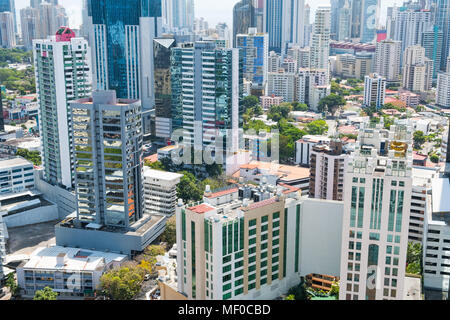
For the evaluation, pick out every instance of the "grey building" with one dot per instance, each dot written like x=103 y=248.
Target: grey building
x=107 y=147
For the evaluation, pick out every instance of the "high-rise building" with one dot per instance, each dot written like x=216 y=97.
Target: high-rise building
x=236 y=245
x=110 y=212
x=108 y=177
x=417 y=70
x=282 y=84
x=255 y=50
x=243 y=18
x=35 y=3
x=387 y=59
x=443 y=22
x=207 y=84
x=377 y=200
x=7 y=34
x=301 y=55
x=2 y=247
x=30 y=26
x=374 y=90
x=51 y=18
x=312 y=85
x=328 y=164
x=284 y=22
x=273 y=62
x=63 y=74
x=341 y=14
x=355 y=25
x=353 y=66
x=121 y=36
x=370 y=11
x=320 y=43
x=432 y=39
x=2 y=123
x=162 y=48
x=307 y=29
x=443 y=90
x=9 y=6
x=410 y=26
x=177 y=14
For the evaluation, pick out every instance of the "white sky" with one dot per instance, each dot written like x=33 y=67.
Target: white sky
x=214 y=11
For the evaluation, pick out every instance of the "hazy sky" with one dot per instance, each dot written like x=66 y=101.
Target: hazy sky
x=213 y=11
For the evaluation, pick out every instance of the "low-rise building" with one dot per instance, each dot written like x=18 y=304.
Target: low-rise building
x=72 y=272
x=269 y=101
x=160 y=192
x=16 y=175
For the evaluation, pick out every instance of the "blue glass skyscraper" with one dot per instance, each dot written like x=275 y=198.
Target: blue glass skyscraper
x=121 y=34
x=443 y=22
x=369 y=15
x=8 y=5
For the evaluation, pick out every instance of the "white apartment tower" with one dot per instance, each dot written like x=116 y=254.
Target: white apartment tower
x=417 y=70
x=377 y=201
x=320 y=42
x=63 y=74
x=387 y=59
x=7 y=34
x=374 y=90
x=443 y=89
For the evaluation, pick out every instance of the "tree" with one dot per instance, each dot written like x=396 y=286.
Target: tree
x=154 y=250
x=414 y=258
x=170 y=233
x=419 y=139
x=12 y=285
x=434 y=158
x=122 y=283
x=250 y=102
x=32 y=156
x=290 y=297
x=317 y=127
x=299 y=106
x=45 y=294
x=157 y=165
x=335 y=289
x=331 y=103
x=188 y=189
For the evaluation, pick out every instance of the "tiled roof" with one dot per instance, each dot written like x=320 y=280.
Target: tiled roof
x=222 y=193
x=201 y=208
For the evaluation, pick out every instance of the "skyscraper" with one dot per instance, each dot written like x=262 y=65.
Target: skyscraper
x=417 y=70
x=377 y=202
x=387 y=59
x=108 y=172
x=341 y=14
x=432 y=40
x=320 y=43
x=255 y=50
x=7 y=34
x=243 y=18
x=30 y=25
x=177 y=14
x=284 y=22
x=51 y=18
x=121 y=35
x=163 y=86
x=369 y=20
x=63 y=74
x=9 y=6
x=207 y=90
x=356 y=19
x=443 y=22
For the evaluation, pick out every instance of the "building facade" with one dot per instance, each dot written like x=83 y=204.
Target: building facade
x=377 y=201
x=63 y=74
x=374 y=90
x=7 y=33
x=121 y=37
x=16 y=175
x=387 y=59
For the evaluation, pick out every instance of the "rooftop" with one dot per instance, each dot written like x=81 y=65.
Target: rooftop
x=74 y=259
x=163 y=175
x=201 y=208
x=14 y=162
x=440 y=199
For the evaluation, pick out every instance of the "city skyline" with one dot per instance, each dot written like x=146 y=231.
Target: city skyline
x=221 y=12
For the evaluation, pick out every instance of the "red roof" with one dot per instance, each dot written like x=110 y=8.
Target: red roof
x=222 y=193
x=289 y=188
x=261 y=203
x=153 y=158
x=201 y=208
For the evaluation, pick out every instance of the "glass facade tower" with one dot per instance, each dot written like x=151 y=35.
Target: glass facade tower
x=121 y=34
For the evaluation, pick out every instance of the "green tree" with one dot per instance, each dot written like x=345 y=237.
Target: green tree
x=170 y=233
x=250 y=102
x=154 y=250
x=334 y=289
x=317 y=127
x=290 y=297
x=414 y=258
x=45 y=294
x=434 y=158
x=122 y=283
x=12 y=285
x=299 y=106
x=32 y=156
x=419 y=139
x=188 y=188
x=331 y=103
x=157 y=165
